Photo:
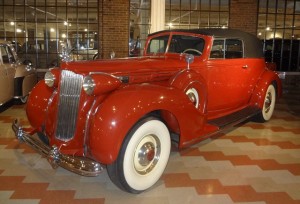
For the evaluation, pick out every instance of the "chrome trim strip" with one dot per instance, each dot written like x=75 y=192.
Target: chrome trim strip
x=80 y=165
x=87 y=127
x=123 y=79
x=103 y=73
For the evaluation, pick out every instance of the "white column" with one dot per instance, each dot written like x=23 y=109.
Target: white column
x=157 y=15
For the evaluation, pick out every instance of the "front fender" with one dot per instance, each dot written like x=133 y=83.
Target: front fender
x=37 y=103
x=267 y=78
x=122 y=109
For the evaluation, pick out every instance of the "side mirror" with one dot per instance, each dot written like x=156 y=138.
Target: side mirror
x=189 y=59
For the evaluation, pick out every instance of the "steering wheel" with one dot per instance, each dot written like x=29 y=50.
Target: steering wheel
x=192 y=50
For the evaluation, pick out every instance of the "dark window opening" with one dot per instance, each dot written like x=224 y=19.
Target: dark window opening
x=229 y=49
x=181 y=43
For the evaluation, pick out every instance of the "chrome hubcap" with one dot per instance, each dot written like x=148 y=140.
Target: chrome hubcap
x=147 y=154
x=268 y=102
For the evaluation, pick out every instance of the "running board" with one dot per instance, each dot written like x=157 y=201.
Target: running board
x=218 y=125
x=235 y=118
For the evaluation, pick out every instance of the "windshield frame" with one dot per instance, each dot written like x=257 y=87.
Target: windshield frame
x=169 y=36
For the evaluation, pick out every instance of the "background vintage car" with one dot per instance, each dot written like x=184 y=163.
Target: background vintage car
x=124 y=113
x=284 y=53
x=41 y=53
x=17 y=79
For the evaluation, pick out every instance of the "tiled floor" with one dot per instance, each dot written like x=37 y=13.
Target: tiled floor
x=254 y=163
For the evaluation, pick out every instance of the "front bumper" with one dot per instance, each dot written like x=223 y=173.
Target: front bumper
x=80 y=165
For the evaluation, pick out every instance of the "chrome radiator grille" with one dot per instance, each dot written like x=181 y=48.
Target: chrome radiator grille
x=68 y=104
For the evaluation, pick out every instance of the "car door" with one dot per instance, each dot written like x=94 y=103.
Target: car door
x=7 y=73
x=229 y=77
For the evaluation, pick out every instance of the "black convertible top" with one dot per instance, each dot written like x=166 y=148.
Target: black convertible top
x=253 y=46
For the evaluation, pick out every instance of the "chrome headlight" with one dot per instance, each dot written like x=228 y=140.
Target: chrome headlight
x=49 y=79
x=88 y=85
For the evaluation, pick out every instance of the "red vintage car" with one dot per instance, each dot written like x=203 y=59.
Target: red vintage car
x=122 y=114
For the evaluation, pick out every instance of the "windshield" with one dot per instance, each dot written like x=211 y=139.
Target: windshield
x=186 y=44
x=179 y=44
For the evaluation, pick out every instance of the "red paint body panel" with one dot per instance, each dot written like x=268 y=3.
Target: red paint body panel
x=126 y=90
x=230 y=86
x=115 y=117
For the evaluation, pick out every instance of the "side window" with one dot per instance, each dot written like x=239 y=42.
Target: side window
x=10 y=54
x=4 y=54
x=217 y=50
x=234 y=49
x=158 y=45
x=227 y=48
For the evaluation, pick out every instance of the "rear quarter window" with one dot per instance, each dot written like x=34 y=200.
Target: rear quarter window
x=227 y=49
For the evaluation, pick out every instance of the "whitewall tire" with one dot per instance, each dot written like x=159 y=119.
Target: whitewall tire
x=143 y=157
x=269 y=104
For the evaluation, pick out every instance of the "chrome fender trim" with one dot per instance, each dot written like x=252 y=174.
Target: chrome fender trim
x=79 y=165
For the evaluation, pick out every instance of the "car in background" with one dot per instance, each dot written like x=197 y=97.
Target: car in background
x=284 y=53
x=123 y=113
x=17 y=79
x=84 y=50
x=84 y=54
x=40 y=53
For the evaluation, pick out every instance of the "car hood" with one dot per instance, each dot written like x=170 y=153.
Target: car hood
x=148 y=67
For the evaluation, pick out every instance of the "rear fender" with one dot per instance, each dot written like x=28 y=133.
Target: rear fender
x=118 y=113
x=267 y=78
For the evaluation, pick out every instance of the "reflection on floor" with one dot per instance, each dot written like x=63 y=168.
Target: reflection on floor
x=254 y=163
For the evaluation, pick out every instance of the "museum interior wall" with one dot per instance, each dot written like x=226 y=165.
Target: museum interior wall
x=92 y=29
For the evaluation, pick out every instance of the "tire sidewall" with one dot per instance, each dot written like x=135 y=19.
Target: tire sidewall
x=131 y=178
x=267 y=116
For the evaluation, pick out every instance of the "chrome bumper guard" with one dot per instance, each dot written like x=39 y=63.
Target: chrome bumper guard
x=80 y=165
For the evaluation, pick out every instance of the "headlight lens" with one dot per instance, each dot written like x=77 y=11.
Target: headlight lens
x=49 y=79
x=88 y=85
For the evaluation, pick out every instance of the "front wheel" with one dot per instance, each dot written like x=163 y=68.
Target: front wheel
x=269 y=105
x=143 y=156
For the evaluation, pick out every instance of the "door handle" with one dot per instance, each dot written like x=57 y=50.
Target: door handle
x=245 y=66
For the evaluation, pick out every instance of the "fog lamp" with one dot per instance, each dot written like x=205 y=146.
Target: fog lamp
x=88 y=85
x=49 y=79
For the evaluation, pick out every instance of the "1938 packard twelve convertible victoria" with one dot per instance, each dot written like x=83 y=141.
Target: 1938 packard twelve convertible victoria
x=122 y=114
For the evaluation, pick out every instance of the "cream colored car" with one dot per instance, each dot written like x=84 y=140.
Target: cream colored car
x=16 y=79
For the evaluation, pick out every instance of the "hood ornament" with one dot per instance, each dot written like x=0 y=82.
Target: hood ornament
x=66 y=54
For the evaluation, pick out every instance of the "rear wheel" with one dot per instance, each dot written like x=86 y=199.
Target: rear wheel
x=143 y=156
x=269 y=105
